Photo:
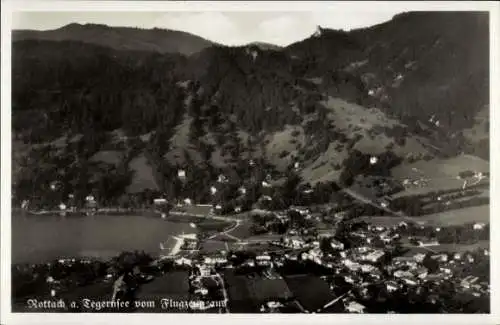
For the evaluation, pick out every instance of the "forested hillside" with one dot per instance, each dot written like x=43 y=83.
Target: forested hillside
x=121 y=120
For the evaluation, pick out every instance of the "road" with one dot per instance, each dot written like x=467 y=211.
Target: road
x=360 y=197
x=202 y=216
x=227 y=231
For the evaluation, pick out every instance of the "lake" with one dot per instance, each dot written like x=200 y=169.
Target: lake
x=42 y=238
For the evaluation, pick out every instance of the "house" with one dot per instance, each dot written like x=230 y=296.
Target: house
x=183 y=261
x=341 y=214
x=391 y=286
x=403 y=224
x=201 y=291
x=222 y=178
x=419 y=257
x=428 y=243
x=212 y=260
x=445 y=270
x=354 y=307
x=402 y=274
x=325 y=233
x=368 y=268
x=263 y=259
x=421 y=272
x=409 y=281
x=25 y=204
x=181 y=173
x=301 y=210
x=478 y=226
x=159 y=201
x=374 y=256
x=335 y=244
x=294 y=242
x=266 y=184
x=351 y=265
x=440 y=257
x=204 y=270
x=349 y=279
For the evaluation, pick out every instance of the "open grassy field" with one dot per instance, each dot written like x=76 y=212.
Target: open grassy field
x=452 y=217
x=143 y=175
x=242 y=231
x=441 y=173
x=444 y=248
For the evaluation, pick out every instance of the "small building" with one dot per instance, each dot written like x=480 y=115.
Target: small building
x=263 y=259
x=222 y=178
x=266 y=184
x=183 y=261
x=402 y=274
x=181 y=173
x=160 y=201
x=213 y=260
x=440 y=257
x=325 y=233
x=478 y=226
x=391 y=286
x=410 y=282
x=428 y=243
x=375 y=256
x=367 y=268
x=354 y=307
x=335 y=244
x=419 y=257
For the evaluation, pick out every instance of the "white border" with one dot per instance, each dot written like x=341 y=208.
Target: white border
x=9 y=6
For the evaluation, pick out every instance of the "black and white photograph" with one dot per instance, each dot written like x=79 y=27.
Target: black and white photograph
x=249 y=160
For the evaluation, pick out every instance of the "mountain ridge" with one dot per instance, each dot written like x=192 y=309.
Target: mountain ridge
x=121 y=38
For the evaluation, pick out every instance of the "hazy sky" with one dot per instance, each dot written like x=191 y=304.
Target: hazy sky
x=230 y=28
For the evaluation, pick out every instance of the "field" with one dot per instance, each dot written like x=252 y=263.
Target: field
x=247 y=293
x=143 y=175
x=311 y=291
x=452 y=217
x=441 y=173
x=213 y=246
x=448 y=248
x=242 y=231
x=214 y=225
x=173 y=286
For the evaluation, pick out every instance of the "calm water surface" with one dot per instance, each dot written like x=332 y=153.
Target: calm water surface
x=41 y=238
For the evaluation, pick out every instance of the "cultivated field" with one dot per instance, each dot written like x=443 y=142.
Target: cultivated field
x=446 y=218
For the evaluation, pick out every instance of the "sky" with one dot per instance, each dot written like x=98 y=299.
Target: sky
x=229 y=28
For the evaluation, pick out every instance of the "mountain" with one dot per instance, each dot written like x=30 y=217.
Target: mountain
x=123 y=120
x=121 y=38
x=417 y=64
